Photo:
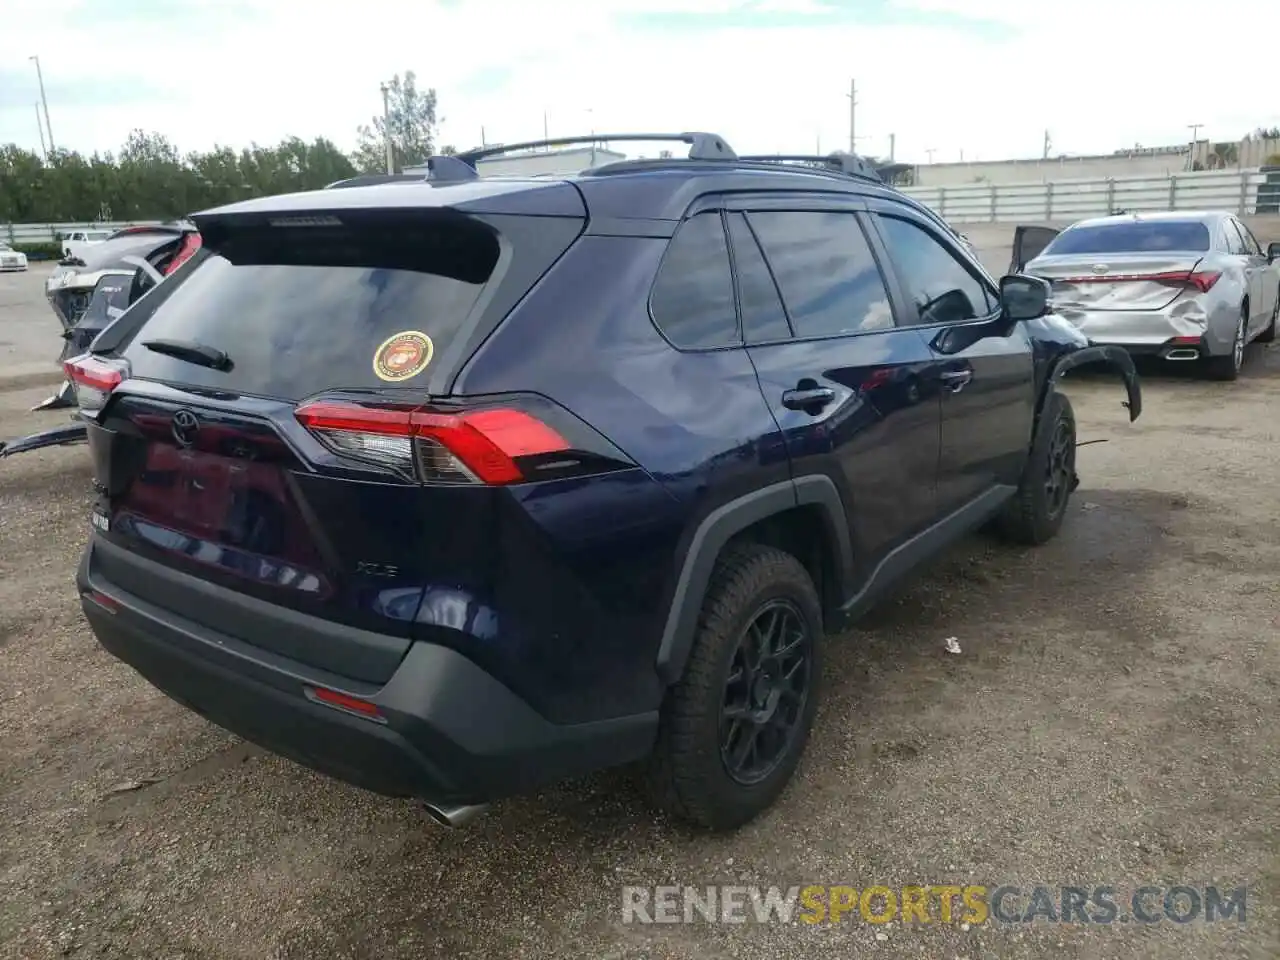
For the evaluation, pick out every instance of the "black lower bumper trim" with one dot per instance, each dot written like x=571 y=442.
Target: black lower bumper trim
x=453 y=734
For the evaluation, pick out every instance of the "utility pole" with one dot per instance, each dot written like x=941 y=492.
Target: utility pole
x=892 y=143
x=40 y=127
x=1191 y=153
x=1048 y=142
x=930 y=151
x=545 y=128
x=45 y=101
x=386 y=130
x=853 y=116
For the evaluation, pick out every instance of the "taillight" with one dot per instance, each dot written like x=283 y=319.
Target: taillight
x=490 y=445
x=94 y=378
x=1202 y=280
x=190 y=244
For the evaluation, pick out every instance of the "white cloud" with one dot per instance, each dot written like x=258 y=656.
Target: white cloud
x=1100 y=75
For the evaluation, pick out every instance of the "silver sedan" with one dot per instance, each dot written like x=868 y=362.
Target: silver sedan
x=1189 y=287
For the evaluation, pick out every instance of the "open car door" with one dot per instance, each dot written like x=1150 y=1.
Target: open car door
x=1028 y=243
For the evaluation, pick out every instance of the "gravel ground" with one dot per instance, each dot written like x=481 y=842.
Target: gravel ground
x=1105 y=723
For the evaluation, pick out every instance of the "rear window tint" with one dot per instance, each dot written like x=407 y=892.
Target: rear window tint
x=692 y=299
x=300 y=310
x=1149 y=236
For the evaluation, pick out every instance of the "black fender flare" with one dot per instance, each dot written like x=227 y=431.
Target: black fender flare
x=57 y=437
x=1113 y=356
x=717 y=529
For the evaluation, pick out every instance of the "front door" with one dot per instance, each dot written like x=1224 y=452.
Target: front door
x=987 y=382
x=843 y=380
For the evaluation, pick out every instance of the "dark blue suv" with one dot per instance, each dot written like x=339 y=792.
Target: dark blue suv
x=451 y=487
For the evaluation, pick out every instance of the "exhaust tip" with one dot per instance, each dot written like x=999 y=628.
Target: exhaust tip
x=1183 y=354
x=455 y=816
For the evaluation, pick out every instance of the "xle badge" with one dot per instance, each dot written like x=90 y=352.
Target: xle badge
x=403 y=356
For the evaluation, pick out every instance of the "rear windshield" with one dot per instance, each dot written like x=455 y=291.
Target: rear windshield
x=1151 y=236
x=302 y=309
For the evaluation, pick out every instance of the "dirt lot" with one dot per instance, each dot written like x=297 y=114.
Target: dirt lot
x=1109 y=721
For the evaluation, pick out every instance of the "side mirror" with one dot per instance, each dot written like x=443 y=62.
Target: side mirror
x=1273 y=252
x=1023 y=297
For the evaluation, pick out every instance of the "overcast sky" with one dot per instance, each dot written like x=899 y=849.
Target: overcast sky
x=985 y=77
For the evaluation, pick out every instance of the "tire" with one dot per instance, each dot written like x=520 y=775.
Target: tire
x=1269 y=334
x=1227 y=367
x=689 y=772
x=1035 y=513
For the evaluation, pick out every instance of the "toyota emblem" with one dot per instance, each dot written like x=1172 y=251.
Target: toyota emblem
x=185 y=427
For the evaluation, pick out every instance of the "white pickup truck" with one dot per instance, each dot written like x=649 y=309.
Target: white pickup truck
x=75 y=241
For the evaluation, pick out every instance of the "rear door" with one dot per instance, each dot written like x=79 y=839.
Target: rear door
x=1259 y=273
x=843 y=381
x=987 y=382
x=211 y=468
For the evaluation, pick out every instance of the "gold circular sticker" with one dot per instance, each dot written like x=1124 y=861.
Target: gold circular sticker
x=404 y=355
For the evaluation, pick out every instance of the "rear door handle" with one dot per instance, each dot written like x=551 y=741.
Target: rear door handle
x=809 y=400
x=955 y=379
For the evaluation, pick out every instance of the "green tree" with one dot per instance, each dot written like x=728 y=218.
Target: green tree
x=150 y=180
x=1223 y=155
x=410 y=125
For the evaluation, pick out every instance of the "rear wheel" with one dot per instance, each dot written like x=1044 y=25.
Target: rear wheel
x=734 y=727
x=1269 y=334
x=1227 y=366
x=1036 y=512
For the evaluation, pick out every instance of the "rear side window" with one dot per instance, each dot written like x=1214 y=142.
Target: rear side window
x=943 y=290
x=825 y=269
x=304 y=309
x=692 y=299
x=1235 y=239
x=1251 y=244
x=1142 y=236
x=763 y=317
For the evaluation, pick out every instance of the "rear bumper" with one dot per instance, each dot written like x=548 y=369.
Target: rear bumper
x=1156 y=333
x=449 y=733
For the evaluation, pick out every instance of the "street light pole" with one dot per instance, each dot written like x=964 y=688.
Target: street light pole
x=386 y=131
x=40 y=127
x=1195 y=139
x=45 y=101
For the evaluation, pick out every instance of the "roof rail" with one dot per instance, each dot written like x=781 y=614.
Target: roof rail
x=850 y=164
x=702 y=146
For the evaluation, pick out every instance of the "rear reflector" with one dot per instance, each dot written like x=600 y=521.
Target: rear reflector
x=102 y=600
x=343 y=701
x=475 y=446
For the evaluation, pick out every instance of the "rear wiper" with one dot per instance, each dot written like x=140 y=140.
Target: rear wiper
x=192 y=352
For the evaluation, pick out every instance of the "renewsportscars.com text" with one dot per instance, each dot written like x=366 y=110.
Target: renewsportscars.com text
x=970 y=904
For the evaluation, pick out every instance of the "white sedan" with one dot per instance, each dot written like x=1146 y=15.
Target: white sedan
x=11 y=259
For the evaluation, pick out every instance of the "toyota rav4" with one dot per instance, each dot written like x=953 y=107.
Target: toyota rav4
x=451 y=487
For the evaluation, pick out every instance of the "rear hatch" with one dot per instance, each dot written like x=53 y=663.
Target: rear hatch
x=268 y=436
x=1126 y=265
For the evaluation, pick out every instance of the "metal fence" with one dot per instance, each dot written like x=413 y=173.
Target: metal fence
x=48 y=232
x=1069 y=200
